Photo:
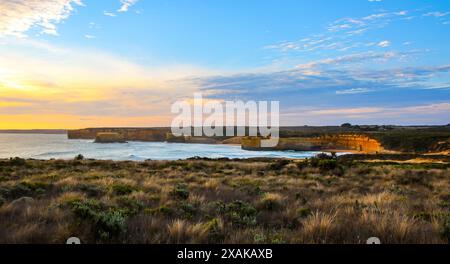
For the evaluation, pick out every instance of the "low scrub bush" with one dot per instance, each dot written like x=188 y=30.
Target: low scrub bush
x=279 y=164
x=122 y=189
x=108 y=223
x=17 y=161
x=180 y=191
x=130 y=206
x=239 y=213
x=446 y=229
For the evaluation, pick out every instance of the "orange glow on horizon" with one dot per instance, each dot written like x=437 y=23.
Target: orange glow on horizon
x=77 y=122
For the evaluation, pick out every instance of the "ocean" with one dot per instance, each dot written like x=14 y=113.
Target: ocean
x=57 y=146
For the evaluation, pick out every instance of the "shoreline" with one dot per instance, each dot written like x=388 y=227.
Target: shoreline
x=233 y=142
x=388 y=158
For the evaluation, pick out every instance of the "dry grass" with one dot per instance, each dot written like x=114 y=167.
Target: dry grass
x=182 y=232
x=209 y=201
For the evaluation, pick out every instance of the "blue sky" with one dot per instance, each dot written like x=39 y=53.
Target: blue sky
x=233 y=36
x=328 y=62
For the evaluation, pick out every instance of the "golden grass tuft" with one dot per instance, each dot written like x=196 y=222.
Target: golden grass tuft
x=183 y=232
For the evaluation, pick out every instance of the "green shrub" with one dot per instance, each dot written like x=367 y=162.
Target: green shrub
x=304 y=212
x=90 y=189
x=86 y=209
x=259 y=238
x=163 y=210
x=79 y=157
x=240 y=213
x=17 y=161
x=279 y=164
x=107 y=223
x=324 y=162
x=322 y=155
x=215 y=227
x=122 y=189
x=110 y=224
x=130 y=206
x=444 y=204
x=188 y=210
x=180 y=191
x=446 y=229
x=4 y=178
x=16 y=191
x=327 y=164
x=277 y=239
x=25 y=189
x=303 y=164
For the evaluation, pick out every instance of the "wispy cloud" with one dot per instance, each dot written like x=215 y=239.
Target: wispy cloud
x=344 y=34
x=442 y=16
x=19 y=16
x=110 y=14
x=321 y=81
x=407 y=115
x=126 y=5
x=356 y=58
x=375 y=20
x=354 y=91
x=93 y=25
x=384 y=44
x=437 y=14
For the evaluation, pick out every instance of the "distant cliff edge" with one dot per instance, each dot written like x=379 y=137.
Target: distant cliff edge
x=368 y=139
x=335 y=142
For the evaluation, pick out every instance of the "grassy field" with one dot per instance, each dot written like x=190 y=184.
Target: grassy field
x=321 y=200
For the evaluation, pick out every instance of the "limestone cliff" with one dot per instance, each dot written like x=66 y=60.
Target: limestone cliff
x=233 y=141
x=109 y=137
x=129 y=134
x=354 y=142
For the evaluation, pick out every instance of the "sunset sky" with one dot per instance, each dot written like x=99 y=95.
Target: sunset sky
x=86 y=63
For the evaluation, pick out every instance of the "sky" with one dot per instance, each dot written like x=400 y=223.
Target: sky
x=85 y=63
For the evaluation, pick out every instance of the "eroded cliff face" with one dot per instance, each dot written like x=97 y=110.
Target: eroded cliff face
x=338 y=142
x=129 y=134
x=353 y=142
x=82 y=134
x=109 y=137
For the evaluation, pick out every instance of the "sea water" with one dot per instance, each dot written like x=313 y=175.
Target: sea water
x=58 y=146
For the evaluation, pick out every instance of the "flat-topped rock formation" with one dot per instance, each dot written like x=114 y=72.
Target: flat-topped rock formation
x=129 y=134
x=109 y=137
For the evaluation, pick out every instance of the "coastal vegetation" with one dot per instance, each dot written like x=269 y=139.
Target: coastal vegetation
x=325 y=199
